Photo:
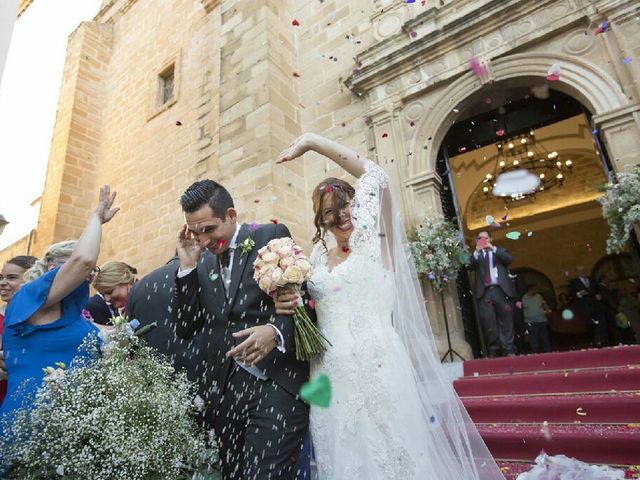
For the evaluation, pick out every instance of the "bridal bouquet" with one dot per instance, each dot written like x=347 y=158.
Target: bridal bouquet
x=280 y=264
x=123 y=414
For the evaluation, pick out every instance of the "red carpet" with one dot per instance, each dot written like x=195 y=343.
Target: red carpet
x=589 y=399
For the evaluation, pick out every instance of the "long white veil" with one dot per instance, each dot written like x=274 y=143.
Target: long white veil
x=458 y=449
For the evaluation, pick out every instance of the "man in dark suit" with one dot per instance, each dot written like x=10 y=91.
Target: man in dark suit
x=150 y=302
x=589 y=303
x=493 y=291
x=252 y=377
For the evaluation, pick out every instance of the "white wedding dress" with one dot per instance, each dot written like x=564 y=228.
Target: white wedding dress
x=377 y=427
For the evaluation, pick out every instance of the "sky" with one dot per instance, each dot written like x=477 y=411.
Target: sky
x=28 y=102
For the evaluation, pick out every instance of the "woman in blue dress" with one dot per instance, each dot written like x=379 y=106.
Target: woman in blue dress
x=44 y=323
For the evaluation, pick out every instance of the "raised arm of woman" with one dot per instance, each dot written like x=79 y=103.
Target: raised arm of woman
x=348 y=159
x=83 y=259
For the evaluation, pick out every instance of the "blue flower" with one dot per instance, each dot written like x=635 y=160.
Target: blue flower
x=431 y=276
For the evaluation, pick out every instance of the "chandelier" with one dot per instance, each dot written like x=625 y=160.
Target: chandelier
x=522 y=153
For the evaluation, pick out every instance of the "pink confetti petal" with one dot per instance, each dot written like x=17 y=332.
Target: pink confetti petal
x=476 y=67
x=500 y=133
x=552 y=77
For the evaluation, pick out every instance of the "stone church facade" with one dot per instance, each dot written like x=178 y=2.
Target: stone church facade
x=157 y=94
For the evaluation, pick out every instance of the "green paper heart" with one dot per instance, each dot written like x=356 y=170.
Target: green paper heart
x=515 y=235
x=317 y=392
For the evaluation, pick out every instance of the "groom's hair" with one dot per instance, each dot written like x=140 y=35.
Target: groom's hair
x=206 y=192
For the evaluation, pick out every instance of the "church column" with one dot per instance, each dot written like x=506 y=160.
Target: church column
x=425 y=201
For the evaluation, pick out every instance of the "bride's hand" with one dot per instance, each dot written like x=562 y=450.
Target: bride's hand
x=299 y=147
x=286 y=301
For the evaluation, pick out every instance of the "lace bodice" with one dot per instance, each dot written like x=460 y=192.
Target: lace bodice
x=361 y=283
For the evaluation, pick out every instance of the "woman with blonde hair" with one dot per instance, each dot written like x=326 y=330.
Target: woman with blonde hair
x=113 y=283
x=44 y=323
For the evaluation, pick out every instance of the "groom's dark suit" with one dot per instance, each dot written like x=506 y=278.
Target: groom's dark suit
x=260 y=423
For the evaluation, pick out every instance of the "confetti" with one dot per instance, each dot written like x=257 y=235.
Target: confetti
x=178 y=123
x=595 y=131
x=274 y=221
x=253 y=226
x=413 y=34
x=567 y=314
x=545 y=431
x=295 y=23
x=345 y=249
x=476 y=67
x=530 y=234
x=412 y=124
x=317 y=392
x=385 y=135
x=462 y=149
x=500 y=133
x=489 y=219
x=504 y=217
x=213 y=276
x=581 y=412
x=626 y=60
x=312 y=304
x=514 y=235
x=554 y=72
x=296 y=74
x=603 y=27
x=220 y=243
x=519 y=305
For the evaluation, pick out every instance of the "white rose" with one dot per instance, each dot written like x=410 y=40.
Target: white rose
x=293 y=274
x=287 y=262
x=285 y=251
x=276 y=278
x=270 y=258
x=265 y=283
x=304 y=266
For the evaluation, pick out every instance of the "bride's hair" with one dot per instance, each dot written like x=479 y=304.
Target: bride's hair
x=339 y=192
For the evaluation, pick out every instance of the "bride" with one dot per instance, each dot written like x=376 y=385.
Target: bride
x=393 y=415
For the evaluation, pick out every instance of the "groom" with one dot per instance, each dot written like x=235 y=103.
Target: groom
x=252 y=377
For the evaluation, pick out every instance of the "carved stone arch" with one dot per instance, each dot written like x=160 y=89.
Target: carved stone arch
x=593 y=87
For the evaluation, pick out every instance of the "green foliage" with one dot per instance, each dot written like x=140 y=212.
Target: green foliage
x=621 y=208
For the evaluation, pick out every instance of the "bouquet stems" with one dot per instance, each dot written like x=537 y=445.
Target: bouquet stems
x=309 y=340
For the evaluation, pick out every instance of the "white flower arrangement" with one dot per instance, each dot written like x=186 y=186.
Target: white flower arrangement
x=123 y=414
x=621 y=208
x=438 y=253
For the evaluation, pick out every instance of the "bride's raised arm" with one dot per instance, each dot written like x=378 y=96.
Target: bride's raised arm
x=348 y=159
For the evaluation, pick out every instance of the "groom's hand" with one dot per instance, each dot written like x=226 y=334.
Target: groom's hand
x=260 y=341
x=188 y=249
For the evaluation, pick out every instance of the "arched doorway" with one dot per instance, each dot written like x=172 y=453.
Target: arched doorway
x=559 y=227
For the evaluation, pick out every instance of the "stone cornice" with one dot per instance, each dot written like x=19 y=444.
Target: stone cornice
x=441 y=33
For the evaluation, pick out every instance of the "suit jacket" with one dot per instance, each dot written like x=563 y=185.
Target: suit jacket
x=587 y=303
x=150 y=301
x=200 y=306
x=501 y=260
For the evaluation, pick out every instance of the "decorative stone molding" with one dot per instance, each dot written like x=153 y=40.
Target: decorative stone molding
x=588 y=83
x=447 y=39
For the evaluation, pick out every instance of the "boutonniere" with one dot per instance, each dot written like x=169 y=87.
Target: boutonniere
x=247 y=245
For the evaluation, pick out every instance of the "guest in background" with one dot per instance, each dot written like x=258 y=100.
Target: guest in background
x=587 y=298
x=608 y=306
x=114 y=282
x=630 y=306
x=535 y=316
x=519 y=326
x=11 y=279
x=493 y=291
x=44 y=322
x=149 y=302
x=99 y=311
